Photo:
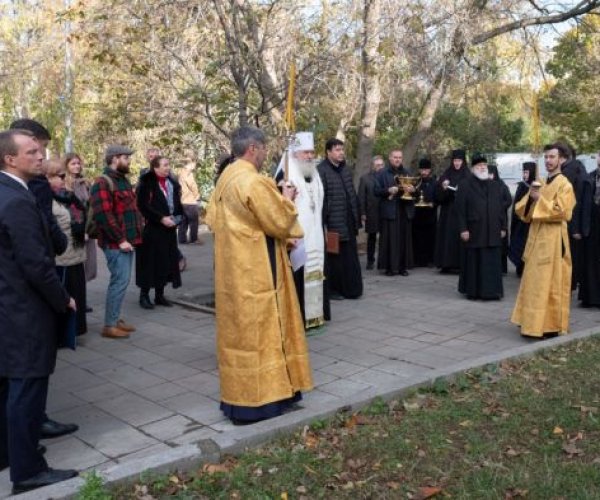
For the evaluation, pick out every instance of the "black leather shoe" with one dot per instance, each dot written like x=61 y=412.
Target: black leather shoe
x=336 y=296
x=46 y=478
x=403 y=273
x=53 y=429
x=145 y=302
x=89 y=309
x=42 y=449
x=161 y=301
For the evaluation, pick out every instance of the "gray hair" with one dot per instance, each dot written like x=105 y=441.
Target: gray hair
x=242 y=137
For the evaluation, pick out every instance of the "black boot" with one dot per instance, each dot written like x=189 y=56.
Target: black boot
x=145 y=301
x=160 y=300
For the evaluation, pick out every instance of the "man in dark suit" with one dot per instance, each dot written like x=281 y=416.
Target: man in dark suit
x=31 y=296
x=40 y=189
x=369 y=207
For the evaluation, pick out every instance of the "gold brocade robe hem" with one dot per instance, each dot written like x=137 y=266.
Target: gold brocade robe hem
x=261 y=345
x=544 y=299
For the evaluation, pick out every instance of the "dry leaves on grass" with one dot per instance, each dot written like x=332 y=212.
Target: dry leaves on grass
x=216 y=468
x=141 y=492
x=425 y=492
x=515 y=493
x=571 y=448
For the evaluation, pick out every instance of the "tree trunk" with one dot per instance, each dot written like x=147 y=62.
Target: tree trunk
x=424 y=119
x=370 y=91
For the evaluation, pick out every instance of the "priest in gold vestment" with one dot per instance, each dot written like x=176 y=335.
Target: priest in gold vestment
x=544 y=299
x=261 y=344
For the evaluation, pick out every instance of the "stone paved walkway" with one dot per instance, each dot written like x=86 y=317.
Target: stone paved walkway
x=160 y=388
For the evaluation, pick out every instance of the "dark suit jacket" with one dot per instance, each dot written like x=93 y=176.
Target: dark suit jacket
x=368 y=202
x=31 y=294
x=384 y=180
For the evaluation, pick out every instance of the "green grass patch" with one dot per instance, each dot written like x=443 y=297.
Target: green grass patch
x=518 y=429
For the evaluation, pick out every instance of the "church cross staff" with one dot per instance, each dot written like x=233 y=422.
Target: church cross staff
x=290 y=120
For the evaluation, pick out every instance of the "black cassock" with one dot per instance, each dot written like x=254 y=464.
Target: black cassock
x=480 y=210
x=589 y=286
x=447 y=242
x=506 y=203
x=579 y=223
x=395 y=218
x=424 y=225
x=518 y=231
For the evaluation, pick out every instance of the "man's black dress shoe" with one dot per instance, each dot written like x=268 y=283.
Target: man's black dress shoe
x=161 y=301
x=145 y=302
x=403 y=273
x=336 y=296
x=89 y=309
x=45 y=478
x=53 y=429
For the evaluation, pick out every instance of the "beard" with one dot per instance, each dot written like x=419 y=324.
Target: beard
x=123 y=169
x=482 y=176
x=306 y=167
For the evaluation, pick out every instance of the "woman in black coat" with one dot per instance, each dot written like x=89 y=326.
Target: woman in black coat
x=157 y=259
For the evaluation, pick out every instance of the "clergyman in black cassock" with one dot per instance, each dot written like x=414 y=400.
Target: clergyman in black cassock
x=395 y=217
x=424 y=223
x=447 y=242
x=519 y=229
x=506 y=203
x=482 y=224
x=589 y=286
x=578 y=226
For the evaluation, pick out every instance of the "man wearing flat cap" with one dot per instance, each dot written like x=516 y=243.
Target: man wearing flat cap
x=119 y=225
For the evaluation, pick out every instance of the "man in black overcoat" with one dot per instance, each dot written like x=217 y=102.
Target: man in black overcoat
x=482 y=223
x=31 y=296
x=40 y=188
x=395 y=216
x=369 y=207
x=579 y=225
x=589 y=285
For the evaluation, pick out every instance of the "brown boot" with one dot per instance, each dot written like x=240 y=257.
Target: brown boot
x=113 y=332
x=126 y=327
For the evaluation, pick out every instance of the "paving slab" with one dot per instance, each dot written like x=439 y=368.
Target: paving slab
x=153 y=400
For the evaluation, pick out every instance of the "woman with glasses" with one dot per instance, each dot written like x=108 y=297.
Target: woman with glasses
x=70 y=215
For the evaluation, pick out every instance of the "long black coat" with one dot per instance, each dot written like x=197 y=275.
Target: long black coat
x=481 y=210
x=157 y=259
x=31 y=295
x=447 y=242
x=369 y=203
